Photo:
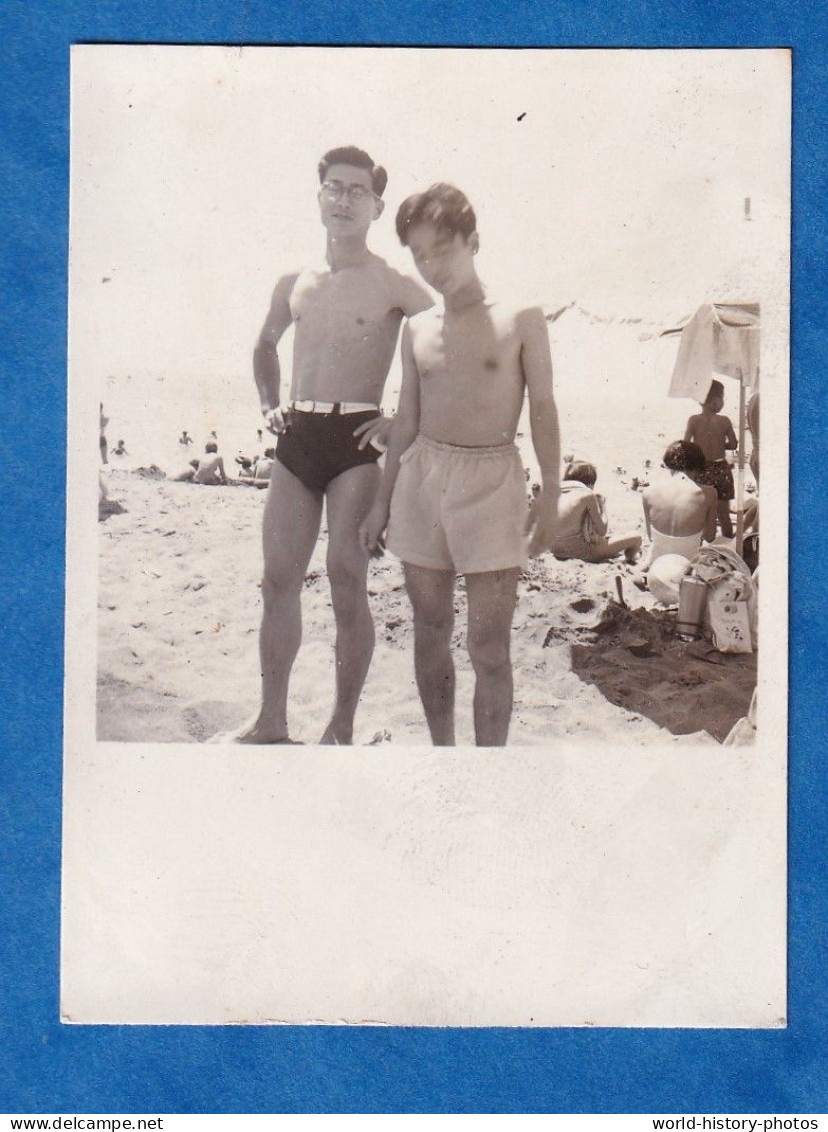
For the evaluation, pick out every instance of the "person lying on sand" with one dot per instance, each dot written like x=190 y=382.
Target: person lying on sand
x=582 y=520
x=715 y=436
x=346 y=311
x=210 y=470
x=453 y=493
x=680 y=511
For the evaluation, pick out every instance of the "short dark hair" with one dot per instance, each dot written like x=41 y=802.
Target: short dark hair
x=582 y=471
x=442 y=205
x=211 y=446
x=684 y=456
x=716 y=390
x=350 y=155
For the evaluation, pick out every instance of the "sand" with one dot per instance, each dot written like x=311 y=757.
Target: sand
x=180 y=606
x=180 y=598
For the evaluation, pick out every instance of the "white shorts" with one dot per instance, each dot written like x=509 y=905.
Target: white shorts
x=461 y=509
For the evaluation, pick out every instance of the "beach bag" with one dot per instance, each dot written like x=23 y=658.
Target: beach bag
x=732 y=603
x=730 y=624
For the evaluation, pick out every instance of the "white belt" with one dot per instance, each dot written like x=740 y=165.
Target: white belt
x=343 y=408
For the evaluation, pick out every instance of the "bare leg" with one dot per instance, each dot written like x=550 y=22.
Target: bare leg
x=725 y=521
x=631 y=547
x=349 y=498
x=291 y=526
x=432 y=598
x=492 y=598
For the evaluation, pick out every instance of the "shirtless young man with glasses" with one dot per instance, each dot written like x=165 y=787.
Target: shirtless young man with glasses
x=346 y=311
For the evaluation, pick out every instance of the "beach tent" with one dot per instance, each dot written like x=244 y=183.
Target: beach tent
x=720 y=339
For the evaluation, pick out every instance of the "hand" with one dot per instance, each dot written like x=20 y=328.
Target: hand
x=378 y=429
x=371 y=531
x=541 y=523
x=275 y=420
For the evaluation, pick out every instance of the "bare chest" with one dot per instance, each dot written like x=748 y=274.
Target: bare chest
x=477 y=351
x=346 y=305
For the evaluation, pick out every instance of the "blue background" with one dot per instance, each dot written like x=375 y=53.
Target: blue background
x=46 y=1067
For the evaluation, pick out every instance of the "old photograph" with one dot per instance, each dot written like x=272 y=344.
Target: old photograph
x=420 y=665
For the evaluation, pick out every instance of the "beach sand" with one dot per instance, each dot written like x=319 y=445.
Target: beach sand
x=180 y=598
x=180 y=606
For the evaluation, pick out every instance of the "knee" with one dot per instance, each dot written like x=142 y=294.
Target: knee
x=434 y=622
x=489 y=654
x=279 y=583
x=347 y=581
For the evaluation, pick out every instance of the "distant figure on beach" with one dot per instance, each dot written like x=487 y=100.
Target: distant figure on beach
x=453 y=493
x=680 y=511
x=263 y=468
x=185 y=439
x=257 y=472
x=582 y=520
x=210 y=470
x=104 y=421
x=346 y=310
x=715 y=436
x=119 y=450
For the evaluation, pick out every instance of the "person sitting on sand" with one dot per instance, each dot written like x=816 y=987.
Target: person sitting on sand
x=263 y=468
x=346 y=311
x=453 y=493
x=582 y=520
x=210 y=470
x=714 y=435
x=680 y=511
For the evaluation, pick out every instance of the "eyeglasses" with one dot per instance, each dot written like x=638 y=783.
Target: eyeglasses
x=335 y=190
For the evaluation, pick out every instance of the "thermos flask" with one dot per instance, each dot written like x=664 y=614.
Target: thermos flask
x=692 y=600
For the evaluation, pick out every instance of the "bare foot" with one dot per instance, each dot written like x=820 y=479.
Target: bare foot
x=255 y=732
x=336 y=735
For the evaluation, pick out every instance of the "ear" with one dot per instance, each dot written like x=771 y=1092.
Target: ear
x=474 y=243
x=379 y=207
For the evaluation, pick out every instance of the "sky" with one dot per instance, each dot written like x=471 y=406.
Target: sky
x=615 y=179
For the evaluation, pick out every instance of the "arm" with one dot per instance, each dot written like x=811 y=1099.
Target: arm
x=413 y=298
x=266 y=369
x=220 y=470
x=690 y=430
x=730 y=436
x=596 y=515
x=536 y=362
x=405 y=428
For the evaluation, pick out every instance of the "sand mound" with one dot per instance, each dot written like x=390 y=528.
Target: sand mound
x=639 y=663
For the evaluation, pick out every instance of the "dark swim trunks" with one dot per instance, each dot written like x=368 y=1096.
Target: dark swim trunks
x=318 y=447
x=717 y=474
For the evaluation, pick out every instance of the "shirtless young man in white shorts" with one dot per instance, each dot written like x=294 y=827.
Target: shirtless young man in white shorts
x=453 y=494
x=346 y=310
